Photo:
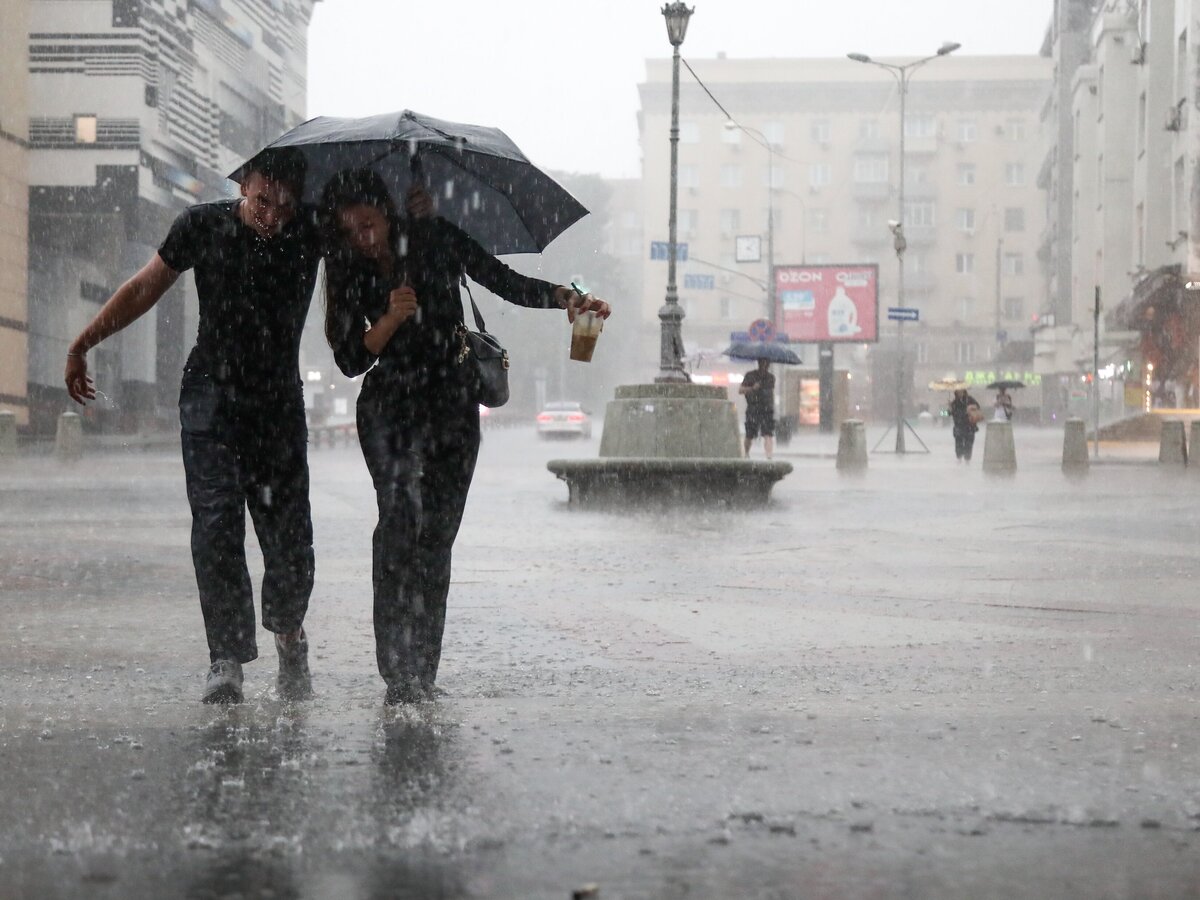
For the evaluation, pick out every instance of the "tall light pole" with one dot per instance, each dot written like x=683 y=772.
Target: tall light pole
x=670 y=316
x=902 y=74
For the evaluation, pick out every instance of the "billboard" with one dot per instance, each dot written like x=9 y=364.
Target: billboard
x=835 y=303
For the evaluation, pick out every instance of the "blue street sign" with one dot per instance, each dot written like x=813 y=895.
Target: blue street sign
x=699 y=282
x=662 y=250
x=904 y=314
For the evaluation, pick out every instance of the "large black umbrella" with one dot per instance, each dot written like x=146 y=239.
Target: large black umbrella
x=482 y=182
x=775 y=352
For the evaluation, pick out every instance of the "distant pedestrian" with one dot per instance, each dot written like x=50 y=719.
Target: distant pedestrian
x=1004 y=406
x=241 y=409
x=758 y=387
x=965 y=412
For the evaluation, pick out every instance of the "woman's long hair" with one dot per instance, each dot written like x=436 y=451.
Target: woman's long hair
x=352 y=187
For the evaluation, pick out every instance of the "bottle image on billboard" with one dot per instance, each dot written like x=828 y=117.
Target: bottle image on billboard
x=843 y=315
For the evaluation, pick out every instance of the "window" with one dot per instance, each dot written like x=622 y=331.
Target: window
x=727 y=308
x=731 y=175
x=869 y=217
x=871 y=168
x=1014 y=308
x=1014 y=264
x=1014 y=129
x=917 y=262
x=85 y=129
x=964 y=352
x=967 y=131
x=1014 y=174
x=966 y=173
x=773 y=215
x=818 y=223
x=966 y=306
x=689 y=177
x=820 y=131
x=1014 y=219
x=965 y=220
x=920 y=126
x=731 y=221
x=868 y=129
x=1140 y=147
x=919 y=214
x=773 y=132
x=772 y=177
x=964 y=263
x=689 y=221
x=818 y=174
x=922 y=353
x=689 y=133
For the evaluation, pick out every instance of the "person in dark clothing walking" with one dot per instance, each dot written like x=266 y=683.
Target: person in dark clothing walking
x=241 y=410
x=965 y=412
x=395 y=312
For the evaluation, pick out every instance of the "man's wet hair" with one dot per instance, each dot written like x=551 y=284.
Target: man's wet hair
x=283 y=164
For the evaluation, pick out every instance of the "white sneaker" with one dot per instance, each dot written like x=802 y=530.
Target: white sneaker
x=224 y=682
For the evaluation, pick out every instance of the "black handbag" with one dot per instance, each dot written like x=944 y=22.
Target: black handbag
x=488 y=360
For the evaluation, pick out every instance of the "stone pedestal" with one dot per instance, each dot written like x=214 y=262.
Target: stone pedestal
x=852 y=447
x=999 y=451
x=1075 y=448
x=670 y=444
x=1172 y=446
x=68 y=437
x=8 y=433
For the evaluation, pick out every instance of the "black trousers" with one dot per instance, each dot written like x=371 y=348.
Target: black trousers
x=421 y=462
x=247 y=452
x=964 y=442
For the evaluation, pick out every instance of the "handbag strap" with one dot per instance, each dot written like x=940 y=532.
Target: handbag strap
x=474 y=309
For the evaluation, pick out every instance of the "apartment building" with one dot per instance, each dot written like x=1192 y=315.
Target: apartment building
x=818 y=150
x=14 y=203
x=136 y=109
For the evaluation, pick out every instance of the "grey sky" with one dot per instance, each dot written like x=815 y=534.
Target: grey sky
x=560 y=76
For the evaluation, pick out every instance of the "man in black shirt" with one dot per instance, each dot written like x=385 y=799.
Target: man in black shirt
x=241 y=410
x=758 y=387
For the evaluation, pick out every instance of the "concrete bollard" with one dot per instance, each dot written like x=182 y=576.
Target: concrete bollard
x=68 y=437
x=1075 y=446
x=1193 y=437
x=999 y=451
x=1172 y=446
x=8 y=433
x=852 y=446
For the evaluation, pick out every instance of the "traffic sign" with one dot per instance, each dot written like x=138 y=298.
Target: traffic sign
x=904 y=314
x=662 y=250
x=762 y=330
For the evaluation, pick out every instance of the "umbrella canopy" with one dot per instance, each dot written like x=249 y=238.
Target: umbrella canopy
x=1005 y=384
x=775 y=352
x=947 y=384
x=482 y=182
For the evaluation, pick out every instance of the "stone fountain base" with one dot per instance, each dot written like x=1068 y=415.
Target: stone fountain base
x=669 y=444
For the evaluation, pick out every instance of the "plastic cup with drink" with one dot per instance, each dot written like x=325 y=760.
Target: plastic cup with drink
x=584 y=332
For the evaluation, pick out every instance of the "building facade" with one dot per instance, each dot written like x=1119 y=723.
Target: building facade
x=818 y=154
x=137 y=109
x=14 y=210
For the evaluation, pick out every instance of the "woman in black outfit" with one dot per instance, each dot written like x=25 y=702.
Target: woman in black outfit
x=964 y=426
x=393 y=307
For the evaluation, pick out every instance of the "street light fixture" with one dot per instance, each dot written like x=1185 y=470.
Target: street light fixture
x=765 y=141
x=671 y=315
x=902 y=74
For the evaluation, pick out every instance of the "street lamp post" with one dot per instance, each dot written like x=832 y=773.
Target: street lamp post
x=671 y=315
x=902 y=74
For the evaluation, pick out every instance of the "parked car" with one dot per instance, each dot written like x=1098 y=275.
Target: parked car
x=564 y=418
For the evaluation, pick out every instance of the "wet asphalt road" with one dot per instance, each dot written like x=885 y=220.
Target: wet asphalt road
x=919 y=683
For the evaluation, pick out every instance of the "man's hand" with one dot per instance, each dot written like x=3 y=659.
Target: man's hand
x=79 y=386
x=402 y=304
x=575 y=303
x=418 y=204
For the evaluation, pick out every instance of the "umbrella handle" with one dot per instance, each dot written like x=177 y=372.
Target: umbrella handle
x=416 y=169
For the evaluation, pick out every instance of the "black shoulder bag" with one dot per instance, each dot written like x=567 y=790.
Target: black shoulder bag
x=488 y=360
